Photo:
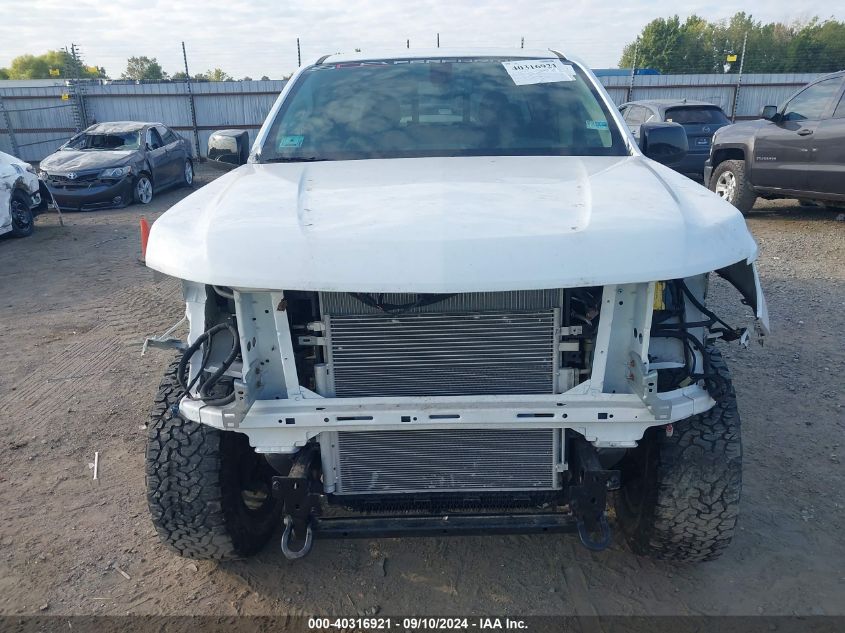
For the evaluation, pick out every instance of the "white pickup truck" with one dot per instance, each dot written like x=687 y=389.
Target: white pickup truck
x=448 y=293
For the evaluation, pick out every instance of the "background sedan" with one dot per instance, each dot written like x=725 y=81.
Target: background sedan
x=113 y=164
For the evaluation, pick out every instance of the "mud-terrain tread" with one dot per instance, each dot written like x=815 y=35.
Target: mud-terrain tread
x=192 y=489
x=691 y=505
x=745 y=196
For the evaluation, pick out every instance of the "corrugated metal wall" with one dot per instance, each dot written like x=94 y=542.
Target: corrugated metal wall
x=42 y=119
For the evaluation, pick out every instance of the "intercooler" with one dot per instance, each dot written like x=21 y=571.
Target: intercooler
x=455 y=345
x=373 y=462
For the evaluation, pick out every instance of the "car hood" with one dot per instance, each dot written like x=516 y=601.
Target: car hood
x=742 y=129
x=448 y=225
x=72 y=160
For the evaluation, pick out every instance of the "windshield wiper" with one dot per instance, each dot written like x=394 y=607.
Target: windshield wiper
x=292 y=159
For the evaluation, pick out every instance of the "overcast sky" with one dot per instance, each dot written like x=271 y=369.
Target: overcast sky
x=258 y=37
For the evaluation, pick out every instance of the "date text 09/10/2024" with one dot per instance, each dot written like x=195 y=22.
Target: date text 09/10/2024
x=417 y=624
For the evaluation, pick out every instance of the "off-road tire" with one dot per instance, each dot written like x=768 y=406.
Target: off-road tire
x=23 y=224
x=680 y=494
x=194 y=491
x=743 y=197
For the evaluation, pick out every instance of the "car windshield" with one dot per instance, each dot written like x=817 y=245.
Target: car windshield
x=442 y=107
x=110 y=141
x=696 y=115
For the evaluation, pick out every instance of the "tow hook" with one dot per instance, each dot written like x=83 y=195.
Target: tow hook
x=286 y=538
x=588 y=494
x=300 y=492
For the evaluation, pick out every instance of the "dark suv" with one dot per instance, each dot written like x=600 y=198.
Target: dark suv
x=699 y=119
x=795 y=151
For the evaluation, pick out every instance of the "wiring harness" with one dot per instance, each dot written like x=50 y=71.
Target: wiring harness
x=377 y=302
x=204 y=390
x=679 y=293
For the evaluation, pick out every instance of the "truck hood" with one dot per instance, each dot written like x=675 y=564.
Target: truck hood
x=74 y=160
x=448 y=225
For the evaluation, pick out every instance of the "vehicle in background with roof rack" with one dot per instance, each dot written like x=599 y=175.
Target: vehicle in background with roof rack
x=449 y=293
x=116 y=163
x=699 y=119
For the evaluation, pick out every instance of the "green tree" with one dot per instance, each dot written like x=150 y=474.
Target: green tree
x=61 y=63
x=216 y=74
x=4 y=74
x=179 y=76
x=699 y=46
x=143 y=68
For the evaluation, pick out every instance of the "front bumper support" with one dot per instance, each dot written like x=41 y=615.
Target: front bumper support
x=442 y=525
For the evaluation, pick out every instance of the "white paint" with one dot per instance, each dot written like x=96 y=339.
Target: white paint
x=448 y=225
x=12 y=170
x=538 y=71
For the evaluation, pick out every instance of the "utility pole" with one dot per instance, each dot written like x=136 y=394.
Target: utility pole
x=298 y=54
x=76 y=88
x=633 y=70
x=739 y=77
x=191 y=103
x=9 y=130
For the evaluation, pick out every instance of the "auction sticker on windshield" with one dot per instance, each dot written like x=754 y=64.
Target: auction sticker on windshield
x=539 y=71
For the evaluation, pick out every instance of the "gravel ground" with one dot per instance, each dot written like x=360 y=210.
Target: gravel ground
x=76 y=304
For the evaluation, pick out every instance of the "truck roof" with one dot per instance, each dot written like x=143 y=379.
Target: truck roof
x=436 y=53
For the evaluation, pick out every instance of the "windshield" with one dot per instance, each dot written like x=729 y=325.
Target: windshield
x=698 y=115
x=441 y=107
x=112 y=141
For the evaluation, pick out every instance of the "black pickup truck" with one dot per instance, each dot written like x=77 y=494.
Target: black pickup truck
x=795 y=151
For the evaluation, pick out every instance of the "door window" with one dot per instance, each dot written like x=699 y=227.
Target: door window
x=811 y=103
x=839 y=113
x=635 y=115
x=154 y=139
x=167 y=135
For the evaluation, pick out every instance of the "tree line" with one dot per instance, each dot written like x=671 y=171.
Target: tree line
x=62 y=65
x=697 y=45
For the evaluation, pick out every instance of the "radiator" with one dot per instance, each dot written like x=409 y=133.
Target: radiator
x=442 y=354
x=380 y=462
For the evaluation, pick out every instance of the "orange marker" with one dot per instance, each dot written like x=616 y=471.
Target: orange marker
x=145 y=235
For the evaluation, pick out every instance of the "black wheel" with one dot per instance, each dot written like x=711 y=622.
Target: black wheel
x=680 y=494
x=729 y=182
x=143 y=190
x=22 y=221
x=188 y=173
x=207 y=490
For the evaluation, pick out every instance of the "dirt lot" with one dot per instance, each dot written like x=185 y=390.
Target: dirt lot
x=75 y=306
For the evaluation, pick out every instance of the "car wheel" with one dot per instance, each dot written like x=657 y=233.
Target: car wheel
x=143 y=192
x=22 y=221
x=729 y=182
x=188 y=173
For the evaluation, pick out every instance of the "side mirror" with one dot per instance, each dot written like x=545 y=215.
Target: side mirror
x=769 y=112
x=664 y=142
x=229 y=148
